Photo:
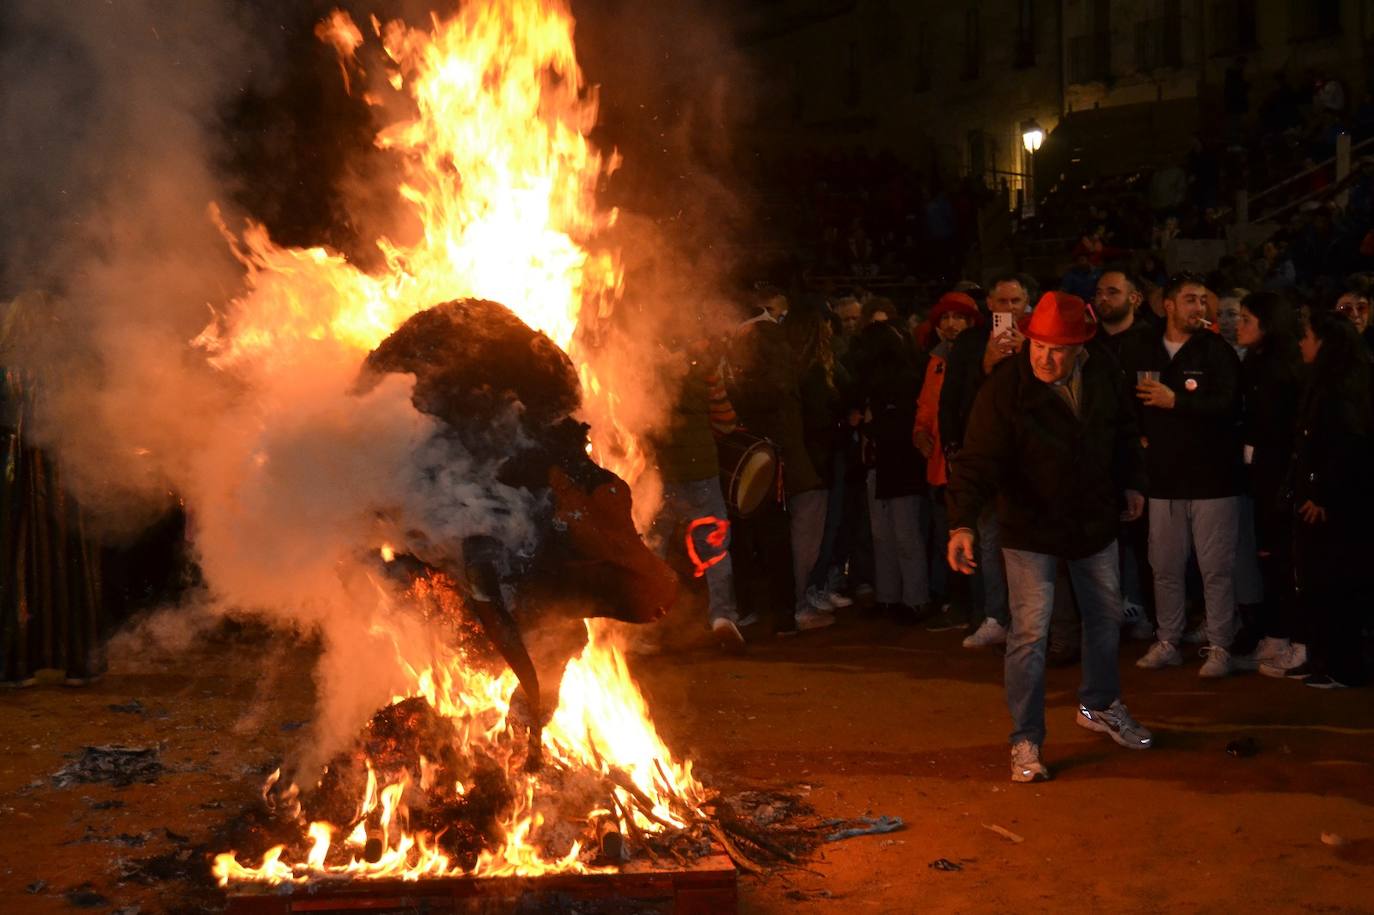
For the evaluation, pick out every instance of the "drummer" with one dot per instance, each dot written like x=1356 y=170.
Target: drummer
x=692 y=523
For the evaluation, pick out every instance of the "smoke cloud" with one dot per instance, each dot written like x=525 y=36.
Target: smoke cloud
x=115 y=151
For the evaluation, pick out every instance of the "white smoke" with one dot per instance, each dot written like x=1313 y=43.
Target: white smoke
x=113 y=115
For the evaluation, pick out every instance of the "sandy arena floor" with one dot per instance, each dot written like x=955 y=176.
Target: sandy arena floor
x=863 y=718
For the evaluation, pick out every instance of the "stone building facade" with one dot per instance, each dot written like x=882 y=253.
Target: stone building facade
x=949 y=85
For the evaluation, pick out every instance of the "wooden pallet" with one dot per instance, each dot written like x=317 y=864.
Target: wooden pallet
x=707 y=887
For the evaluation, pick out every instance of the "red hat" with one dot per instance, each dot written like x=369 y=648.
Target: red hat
x=958 y=303
x=1060 y=319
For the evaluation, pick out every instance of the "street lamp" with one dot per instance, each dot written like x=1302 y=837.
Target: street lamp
x=1032 y=135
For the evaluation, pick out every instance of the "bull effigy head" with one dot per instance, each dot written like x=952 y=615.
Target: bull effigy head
x=508 y=395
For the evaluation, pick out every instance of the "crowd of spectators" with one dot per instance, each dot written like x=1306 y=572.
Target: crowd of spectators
x=1254 y=407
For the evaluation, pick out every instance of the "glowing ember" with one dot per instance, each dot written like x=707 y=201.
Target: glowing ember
x=502 y=181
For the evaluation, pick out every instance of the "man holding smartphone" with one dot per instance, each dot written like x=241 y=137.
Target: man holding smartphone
x=976 y=353
x=1053 y=444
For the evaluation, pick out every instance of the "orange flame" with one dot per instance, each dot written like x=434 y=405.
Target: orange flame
x=602 y=723
x=502 y=180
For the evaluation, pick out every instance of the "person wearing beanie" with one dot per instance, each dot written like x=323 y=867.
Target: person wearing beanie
x=952 y=315
x=1052 y=442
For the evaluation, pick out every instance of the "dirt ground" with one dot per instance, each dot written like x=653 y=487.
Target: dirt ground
x=862 y=718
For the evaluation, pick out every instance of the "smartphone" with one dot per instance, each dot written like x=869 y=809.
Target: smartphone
x=1002 y=322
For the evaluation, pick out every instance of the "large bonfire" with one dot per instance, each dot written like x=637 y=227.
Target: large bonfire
x=502 y=180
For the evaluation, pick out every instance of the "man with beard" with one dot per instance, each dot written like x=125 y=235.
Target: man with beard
x=1119 y=304
x=1188 y=385
x=1053 y=443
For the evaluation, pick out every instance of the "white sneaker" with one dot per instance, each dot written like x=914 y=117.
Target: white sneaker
x=1197 y=637
x=1116 y=722
x=1268 y=649
x=1290 y=658
x=1160 y=655
x=990 y=632
x=1025 y=763
x=811 y=618
x=727 y=634
x=817 y=599
x=1218 y=663
x=1135 y=623
x=837 y=600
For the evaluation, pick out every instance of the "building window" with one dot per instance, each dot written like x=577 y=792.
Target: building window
x=1159 y=41
x=1312 y=19
x=1025 y=34
x=1090 y=55
x=1233 y=27
x=973 y=45
x=921 y=82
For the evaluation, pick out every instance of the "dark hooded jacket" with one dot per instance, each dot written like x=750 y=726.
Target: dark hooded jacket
x=1057 y=479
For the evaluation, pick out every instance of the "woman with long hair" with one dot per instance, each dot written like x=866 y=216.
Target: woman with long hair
x=1267 y=329
x=815 y=428
x=1333 y=501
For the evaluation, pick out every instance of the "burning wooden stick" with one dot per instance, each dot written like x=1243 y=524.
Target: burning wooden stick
x=608 y=837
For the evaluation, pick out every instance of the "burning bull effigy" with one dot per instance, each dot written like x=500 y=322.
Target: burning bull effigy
x=508 y=395
x=456 y=780
x=516 y=743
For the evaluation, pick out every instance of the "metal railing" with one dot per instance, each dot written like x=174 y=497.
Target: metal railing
x=1246 y=202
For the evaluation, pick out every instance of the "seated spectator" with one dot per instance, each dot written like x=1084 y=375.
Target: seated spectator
x=1353 y=304
x=1081 y=278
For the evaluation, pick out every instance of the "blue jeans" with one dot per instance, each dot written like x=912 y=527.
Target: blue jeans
x=808 y=511
x=682 y=504
x=1030 y=583
x=990 y=581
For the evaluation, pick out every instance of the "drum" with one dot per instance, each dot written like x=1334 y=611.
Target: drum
x=748 y=471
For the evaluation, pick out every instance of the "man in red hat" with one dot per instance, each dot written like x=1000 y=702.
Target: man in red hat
x=1053 y=442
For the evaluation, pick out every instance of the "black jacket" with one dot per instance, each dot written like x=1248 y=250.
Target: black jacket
x=1135 y=335
x=1193 y=450
x=1058 y=479
x=1332 y=456
x=963 y=378
x=1269 y=389
x=888 y=383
